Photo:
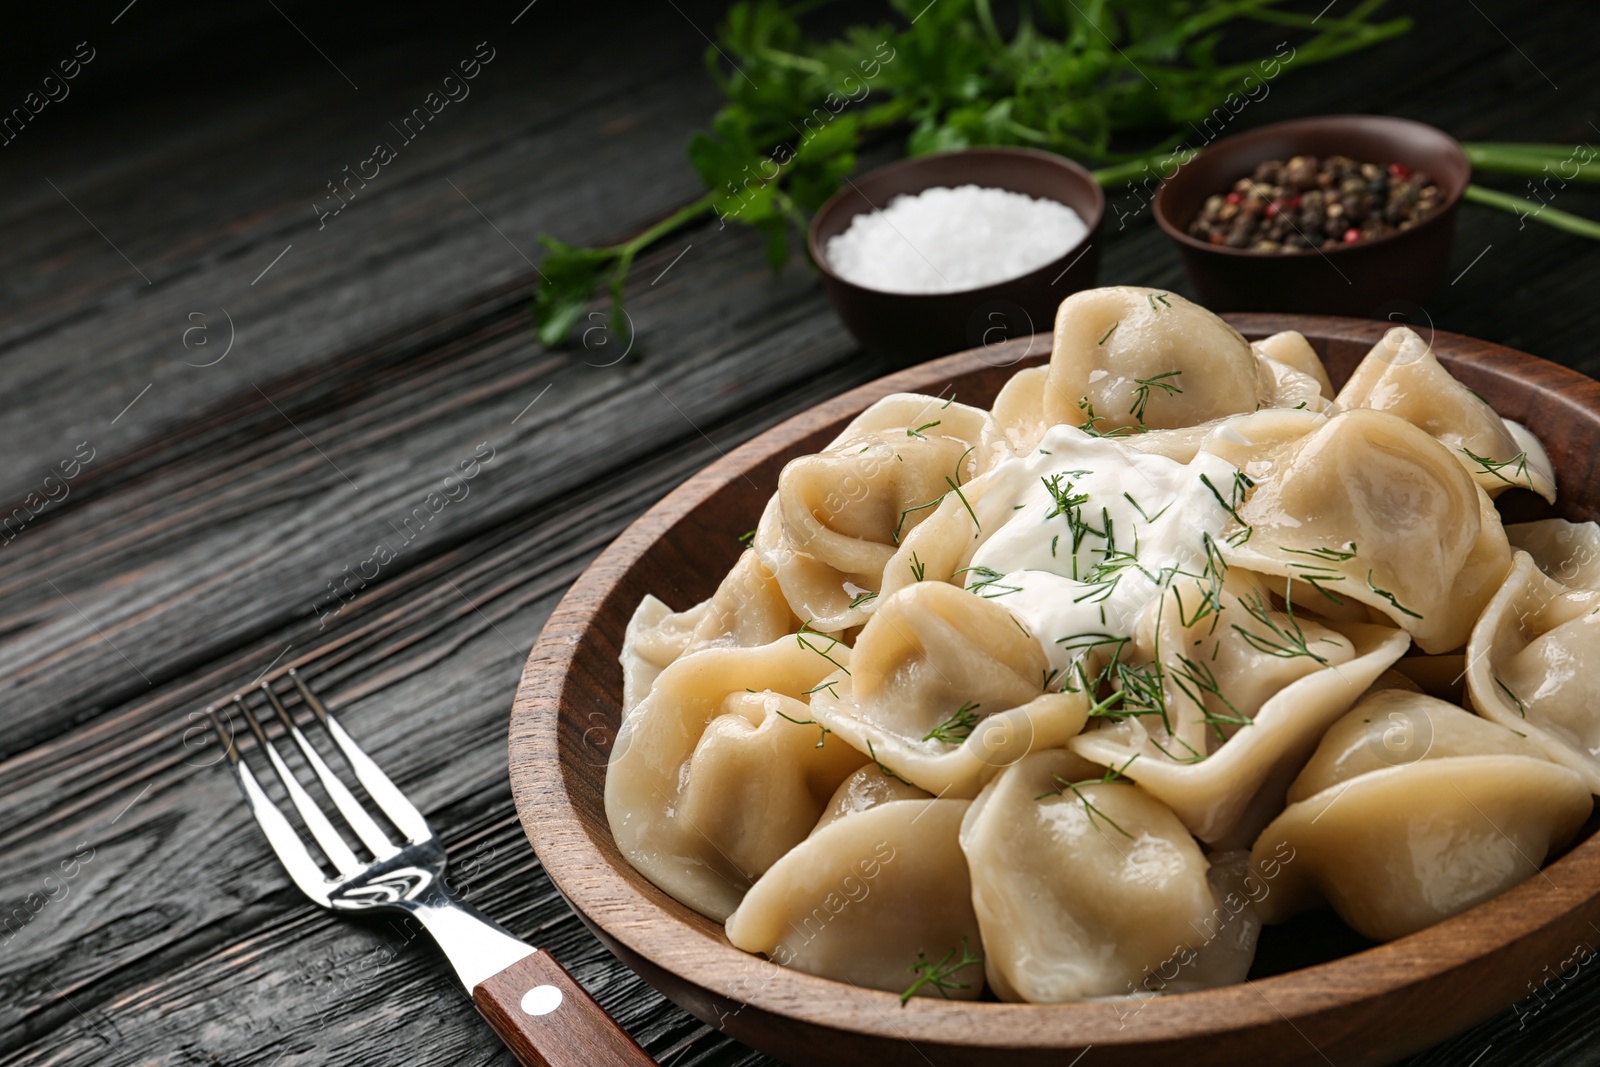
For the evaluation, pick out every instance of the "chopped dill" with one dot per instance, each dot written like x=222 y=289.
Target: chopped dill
x=862 y=598
x=940 y=975
x=958 y=727
x=886 y=772
x=744 y=538
x=1283 y=642
x=1390 y=597
x=1107 y=335
x=822 y=737
x=826 y=653
x=1522 y=709
x=1141 y=395
x=918 y=431
x=918 y=568
x=1518 y=464
x=1112 y=774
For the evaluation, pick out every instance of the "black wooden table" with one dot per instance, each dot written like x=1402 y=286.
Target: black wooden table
x=255 y=391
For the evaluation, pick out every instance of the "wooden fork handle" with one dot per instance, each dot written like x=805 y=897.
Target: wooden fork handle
x=547 y=1019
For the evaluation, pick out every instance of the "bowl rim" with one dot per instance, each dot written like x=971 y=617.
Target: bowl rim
x=1239 y=141
x=622 y=915
x=850 y=188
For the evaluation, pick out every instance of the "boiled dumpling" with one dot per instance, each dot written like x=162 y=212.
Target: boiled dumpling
x=944 y=688
x=1414 y=811
x=1091 y=888
x=1568 y=552
x=867 y=788
x=1231 y=698
x=1402 y=377
x=1291 y=349
x=721 y=770
x=747 y=609
x=874 y=899
x=1370 y=508
x=1532 y=666
x=839 y=514
x=1142 y=357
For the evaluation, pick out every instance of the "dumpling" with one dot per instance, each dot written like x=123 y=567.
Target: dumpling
x=1370 y=508
x=839 y=514
x=721 y=769
x=1391 y=727
x=1412 y=811
x=1091 y=888
x=1401 y=376
x=944 y=688
x=1131 y=357
x=747 y=609
x=1291 y=349
x=879 y=899
x=1568 y=552
x=867 y=788
x=1227 y=698
x=1531 y=666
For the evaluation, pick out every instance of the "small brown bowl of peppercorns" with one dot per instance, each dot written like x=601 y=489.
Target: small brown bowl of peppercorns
x=1338 y=215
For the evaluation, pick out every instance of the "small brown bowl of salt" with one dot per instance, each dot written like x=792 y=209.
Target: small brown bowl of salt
x=969 y=249
x=1333 y=215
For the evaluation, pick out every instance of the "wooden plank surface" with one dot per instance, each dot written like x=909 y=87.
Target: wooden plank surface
x=379 y=352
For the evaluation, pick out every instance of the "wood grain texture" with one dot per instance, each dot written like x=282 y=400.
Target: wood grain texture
x=196 y=142
x=547 y=1019
x=1370 y=1007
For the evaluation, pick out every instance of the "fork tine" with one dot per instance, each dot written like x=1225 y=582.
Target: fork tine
x=280 y=835
x=371 y=835
x=400 y=811
x=332 y=845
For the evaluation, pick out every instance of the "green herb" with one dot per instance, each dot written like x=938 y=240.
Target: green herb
x=988 y=579
x=957 y=728
x=1332 y=555
x=1153 y=297
x=1072 y=78
x=825 y=653
x=745 y=537
x=1090 y=424
x=860 y=599
x=886 y=772
x=821 y=738
x=1522 y=709
x=1112 y=774
x=1192 y=673
x=1143 y=514
x=1141 y=395
x=963 y=498
x=1390 y=597
x=911 y=510
x=1518 y=464
x=1107 y=335
x=940 y=975
x=925 y=426
x=1242 y=484
x=1285 y=641
x=918 y=568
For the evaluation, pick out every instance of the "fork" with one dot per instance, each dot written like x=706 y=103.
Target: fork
x=539 y=1010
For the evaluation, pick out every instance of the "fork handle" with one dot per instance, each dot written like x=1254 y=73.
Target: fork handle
x=547 y=1019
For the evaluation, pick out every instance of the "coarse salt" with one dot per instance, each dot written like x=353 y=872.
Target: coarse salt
x=947 y=240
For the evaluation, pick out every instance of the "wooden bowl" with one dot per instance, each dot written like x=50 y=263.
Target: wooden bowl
x=1354 y=279
x=910 y=327
x=1369 y=1007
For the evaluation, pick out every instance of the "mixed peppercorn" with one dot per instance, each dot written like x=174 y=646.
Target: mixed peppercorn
x=1311 y=203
